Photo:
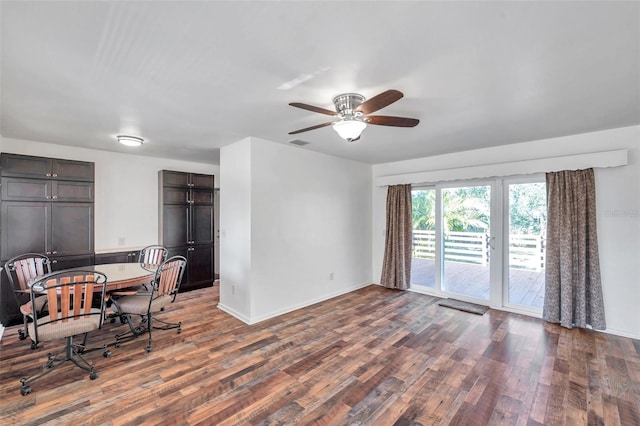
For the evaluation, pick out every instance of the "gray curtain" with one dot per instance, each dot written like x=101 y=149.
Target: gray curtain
x=396 y=266
x=573 y=291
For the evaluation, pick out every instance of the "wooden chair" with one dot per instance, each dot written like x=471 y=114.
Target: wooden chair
x=73 y=309
x=21 y=270
x=152 y=255
x=145 y=304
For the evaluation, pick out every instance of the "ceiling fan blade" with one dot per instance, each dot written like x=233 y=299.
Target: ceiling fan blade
x=385 y=120
x=313 y=108
x=306 y=129
x=379 y=101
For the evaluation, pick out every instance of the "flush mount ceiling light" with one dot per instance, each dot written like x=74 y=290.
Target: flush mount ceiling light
x=349 y=130
x=130 y=140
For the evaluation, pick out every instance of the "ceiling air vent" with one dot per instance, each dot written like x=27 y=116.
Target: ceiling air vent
x=299 y=142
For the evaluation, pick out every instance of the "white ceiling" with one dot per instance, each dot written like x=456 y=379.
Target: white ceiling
x=193 y=76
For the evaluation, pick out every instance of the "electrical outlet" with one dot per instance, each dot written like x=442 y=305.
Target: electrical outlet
x=331 y=276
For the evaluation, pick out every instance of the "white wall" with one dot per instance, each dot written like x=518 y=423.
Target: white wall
x=618 y=210
x=126 y=190
x=310 y=217
x=235 y=230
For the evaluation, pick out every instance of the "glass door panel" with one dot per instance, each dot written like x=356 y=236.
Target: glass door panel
x=527 y=229
x=424 y=237
x=466 y=213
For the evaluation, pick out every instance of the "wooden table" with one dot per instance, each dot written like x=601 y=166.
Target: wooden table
x=123 y=275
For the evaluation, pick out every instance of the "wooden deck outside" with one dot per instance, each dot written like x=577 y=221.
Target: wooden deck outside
x=525 y=287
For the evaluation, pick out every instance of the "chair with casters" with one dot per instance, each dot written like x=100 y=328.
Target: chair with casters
x=152 y=255
x=21 y=270
x=145 y=304
x=76 y=305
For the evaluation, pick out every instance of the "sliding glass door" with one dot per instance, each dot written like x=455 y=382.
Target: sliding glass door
x=527 y=222
x=423 y=262
x=481 y=241
x=466 y=237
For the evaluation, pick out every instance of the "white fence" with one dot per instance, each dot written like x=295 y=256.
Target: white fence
x=525 y=251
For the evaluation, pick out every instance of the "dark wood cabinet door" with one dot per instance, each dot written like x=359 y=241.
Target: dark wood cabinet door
x=26 y=166
x=202 y=181
x=25 y=227
x=72 y=170
x=46 y=168
x=175 y=195
x=175 y=225
x=20 y=189
x=203 y=197
x=117 y=257
x=199 y=267
x=71 y=229
x=201 y=225
x=170 y=178
x=66 y=262
x=72 y=191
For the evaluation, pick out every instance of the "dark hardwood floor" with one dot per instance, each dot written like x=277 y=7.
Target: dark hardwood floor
x=374 y=356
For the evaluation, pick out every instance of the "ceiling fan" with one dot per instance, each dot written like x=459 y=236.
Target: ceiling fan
x=353 y=112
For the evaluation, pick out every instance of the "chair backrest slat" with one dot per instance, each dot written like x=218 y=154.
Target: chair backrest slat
x=88 y=293
x=152 y=255
x=52 y=298
x=25 y=268
x=169 y=275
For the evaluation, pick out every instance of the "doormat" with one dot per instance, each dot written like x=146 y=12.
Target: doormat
x=464 y=306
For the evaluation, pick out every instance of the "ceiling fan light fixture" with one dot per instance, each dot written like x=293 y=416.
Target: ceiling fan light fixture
x=130 y=140
x=349 y=129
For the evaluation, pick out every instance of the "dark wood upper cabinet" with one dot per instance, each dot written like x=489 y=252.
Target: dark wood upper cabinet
x=189 y=180
x=20 y=189
x=46 y=168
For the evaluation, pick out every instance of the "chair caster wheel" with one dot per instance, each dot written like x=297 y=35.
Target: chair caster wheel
x=117 y=345
x=149 y=349
x=106 y=354
x=113 y=320
x=34 y=345
x=93 y=375
x=22 y=335
x=179 y=331
x=25 y=390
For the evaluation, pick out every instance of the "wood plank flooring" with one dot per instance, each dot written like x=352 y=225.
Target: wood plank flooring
x=371 y=357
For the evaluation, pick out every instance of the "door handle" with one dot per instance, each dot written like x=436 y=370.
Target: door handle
x=490 y=243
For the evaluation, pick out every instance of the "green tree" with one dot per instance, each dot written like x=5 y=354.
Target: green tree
x=424 y=209
x=527 y=208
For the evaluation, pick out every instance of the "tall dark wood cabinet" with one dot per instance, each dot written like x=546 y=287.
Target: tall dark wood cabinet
x=47 y=207
x=186 y=223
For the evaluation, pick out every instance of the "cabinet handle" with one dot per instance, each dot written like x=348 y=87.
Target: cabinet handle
x=54 y=252
x=48 y=174
x=55 y=175
x=48 y=197
x=54 y=261
x=55 y=197
x=48 y=253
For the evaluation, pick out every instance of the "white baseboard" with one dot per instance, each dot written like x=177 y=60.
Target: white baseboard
x=1 y=331
x=260 y=318
x=233 y=313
